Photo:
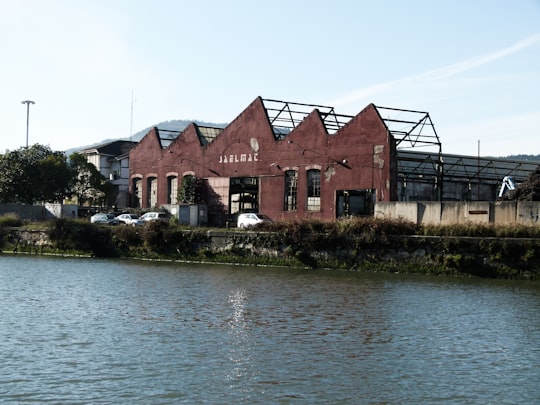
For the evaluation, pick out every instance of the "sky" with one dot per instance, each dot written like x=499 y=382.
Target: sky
x=105 y=69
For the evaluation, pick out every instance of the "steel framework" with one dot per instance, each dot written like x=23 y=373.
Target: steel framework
x=284 y=116
x=414 y=129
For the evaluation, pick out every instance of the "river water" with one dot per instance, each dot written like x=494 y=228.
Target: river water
x=89 y=331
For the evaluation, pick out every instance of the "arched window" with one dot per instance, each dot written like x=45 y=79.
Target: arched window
x=291 y=182
x=136 y=192
x=151 y=187
x=313 y=190
x=172 y=190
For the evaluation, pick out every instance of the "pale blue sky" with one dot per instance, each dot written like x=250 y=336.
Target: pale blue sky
x=474 y=65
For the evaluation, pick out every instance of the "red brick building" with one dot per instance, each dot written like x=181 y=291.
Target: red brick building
x=286 y=160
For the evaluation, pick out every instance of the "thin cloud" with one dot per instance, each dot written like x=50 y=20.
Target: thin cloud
x=437 y=74
x=472 y=63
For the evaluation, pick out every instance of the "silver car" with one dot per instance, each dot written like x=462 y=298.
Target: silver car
x=155 y=216
x=130 y=219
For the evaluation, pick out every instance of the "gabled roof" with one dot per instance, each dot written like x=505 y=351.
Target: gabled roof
x=115 y=148
x=410 y=128
x=207 y=134
x=166 y=136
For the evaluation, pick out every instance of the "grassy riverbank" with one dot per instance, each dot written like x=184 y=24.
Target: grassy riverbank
x=358 y=244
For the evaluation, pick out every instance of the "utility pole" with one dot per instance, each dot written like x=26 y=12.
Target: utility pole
x=478 y=174
x=27 y=102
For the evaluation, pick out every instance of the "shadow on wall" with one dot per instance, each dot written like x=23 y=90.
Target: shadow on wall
x=218 y=215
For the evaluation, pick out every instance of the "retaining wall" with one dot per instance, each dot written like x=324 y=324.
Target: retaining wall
x=40 y=212
x=445 y=213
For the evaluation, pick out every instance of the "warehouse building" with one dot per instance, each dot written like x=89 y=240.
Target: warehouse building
x=297 y=161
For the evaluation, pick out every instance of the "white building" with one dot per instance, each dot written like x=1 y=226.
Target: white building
x=112 y=161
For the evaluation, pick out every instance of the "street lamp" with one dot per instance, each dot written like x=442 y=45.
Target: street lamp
x=27 y=102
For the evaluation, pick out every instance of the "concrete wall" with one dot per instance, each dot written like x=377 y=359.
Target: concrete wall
x=504 y=212
x=429 y=212
x=40 y=212
x=444 y=213
x=528 y=212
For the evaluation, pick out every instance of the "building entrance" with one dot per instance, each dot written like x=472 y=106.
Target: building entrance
x=354 y=202
x=243 y=195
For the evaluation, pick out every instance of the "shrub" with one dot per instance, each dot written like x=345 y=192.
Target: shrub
x=126 y=237
x=81 y=236
x=10 y=220
x=154 y=236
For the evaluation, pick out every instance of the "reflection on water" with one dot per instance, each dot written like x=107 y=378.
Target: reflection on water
x=239 y=347
x=92 y=331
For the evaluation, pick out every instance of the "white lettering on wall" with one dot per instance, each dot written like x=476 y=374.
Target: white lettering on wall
x=242 y=158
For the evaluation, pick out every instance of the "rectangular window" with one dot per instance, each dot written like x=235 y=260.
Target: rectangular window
x=243 y=194
x=313 y=190
x=354 y=202
x=291 y=182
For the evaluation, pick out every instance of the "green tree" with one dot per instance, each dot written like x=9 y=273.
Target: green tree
x=34 y=174
x=189 y=190
x=89 y=184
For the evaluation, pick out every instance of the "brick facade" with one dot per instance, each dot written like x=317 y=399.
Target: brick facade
x=304 y=173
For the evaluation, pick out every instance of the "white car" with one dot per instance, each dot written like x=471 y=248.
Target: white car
x=130 y=219
x=251 y=219
x=155 y=216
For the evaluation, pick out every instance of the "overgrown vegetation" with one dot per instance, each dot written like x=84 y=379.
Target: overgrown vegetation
x=80 y=236
x=10 y=220
x=529 y=190
x=350 y=244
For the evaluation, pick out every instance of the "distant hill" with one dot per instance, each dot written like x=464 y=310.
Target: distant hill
x=534 y=158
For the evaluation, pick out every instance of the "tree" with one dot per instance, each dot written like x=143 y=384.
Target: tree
x=529 y=190
x=34 y=174
x=89 y=184
x=189 y=190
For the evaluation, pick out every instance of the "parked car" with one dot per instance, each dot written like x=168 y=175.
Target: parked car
x=156 y=216
x=251 y=219
x=130 y=219
x=102 y=218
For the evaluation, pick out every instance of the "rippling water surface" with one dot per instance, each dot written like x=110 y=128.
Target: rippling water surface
x=94 y=331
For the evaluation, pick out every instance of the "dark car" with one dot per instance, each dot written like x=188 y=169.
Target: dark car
x=102 y=218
